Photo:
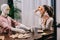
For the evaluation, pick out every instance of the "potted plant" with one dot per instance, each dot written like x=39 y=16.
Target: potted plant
x=16 y=13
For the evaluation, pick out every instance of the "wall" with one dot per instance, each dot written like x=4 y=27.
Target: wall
x=58 y=11
x=2 y=2
x=58 y=17
x=28 y=7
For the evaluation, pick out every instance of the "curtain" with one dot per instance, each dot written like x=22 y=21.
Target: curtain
x=28 y=7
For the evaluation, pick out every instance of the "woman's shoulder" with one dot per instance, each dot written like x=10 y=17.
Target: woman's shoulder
x=50 y=19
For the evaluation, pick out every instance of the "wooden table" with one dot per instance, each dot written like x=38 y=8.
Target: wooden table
x=33 y=36
x=49 y=33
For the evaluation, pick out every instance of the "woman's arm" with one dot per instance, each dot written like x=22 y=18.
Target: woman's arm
x=49 y=24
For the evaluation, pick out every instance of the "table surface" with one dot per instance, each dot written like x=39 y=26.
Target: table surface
x=33 y=36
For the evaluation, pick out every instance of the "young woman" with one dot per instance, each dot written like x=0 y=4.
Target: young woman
x=48 y=18
x=46 y=13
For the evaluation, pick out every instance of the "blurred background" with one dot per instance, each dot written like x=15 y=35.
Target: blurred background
x=23 y=11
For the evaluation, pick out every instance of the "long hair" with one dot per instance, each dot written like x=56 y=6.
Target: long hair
x=51 y=14
x=49 y=10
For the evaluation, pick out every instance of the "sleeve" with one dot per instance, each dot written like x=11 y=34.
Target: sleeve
x=49 y=24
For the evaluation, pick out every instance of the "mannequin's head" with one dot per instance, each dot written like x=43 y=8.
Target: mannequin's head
x=5 y=8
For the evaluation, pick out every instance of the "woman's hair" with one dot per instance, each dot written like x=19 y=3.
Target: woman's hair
x=46 y=7
x=49 y=10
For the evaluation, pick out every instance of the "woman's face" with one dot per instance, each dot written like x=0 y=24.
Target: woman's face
x=41 y=9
